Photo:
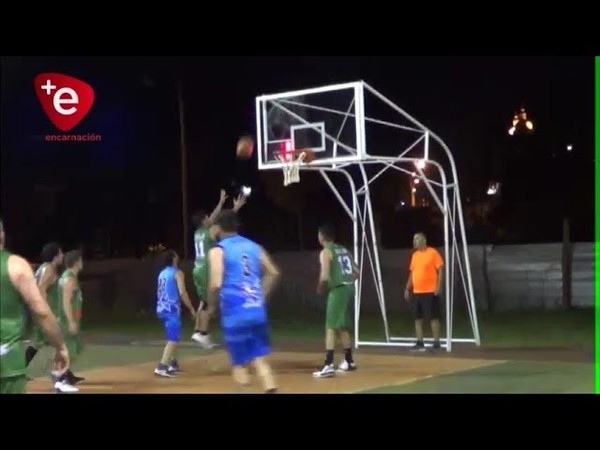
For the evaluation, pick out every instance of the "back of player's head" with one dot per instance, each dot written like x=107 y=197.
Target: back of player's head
x=228 y=221
x=198 y=218
x=72 y=257
x=168 y=257
x=49 y=252
x=326 y=231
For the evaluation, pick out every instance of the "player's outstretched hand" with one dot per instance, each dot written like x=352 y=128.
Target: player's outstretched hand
x=193 y=312
x=223 y=196
x=407 y=295
x=239 y=201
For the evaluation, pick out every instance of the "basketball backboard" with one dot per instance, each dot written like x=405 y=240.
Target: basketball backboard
x=326 y=120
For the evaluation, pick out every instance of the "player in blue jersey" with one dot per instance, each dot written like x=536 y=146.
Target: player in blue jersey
x=170 y=293
x=242 y=275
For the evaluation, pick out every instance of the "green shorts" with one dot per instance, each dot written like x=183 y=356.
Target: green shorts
x=13 y=385
x=339 y=300
x=200 y=276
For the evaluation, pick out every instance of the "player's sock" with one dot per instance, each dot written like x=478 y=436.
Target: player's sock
x=348 y=355
x=329 y=358
x=30 y=354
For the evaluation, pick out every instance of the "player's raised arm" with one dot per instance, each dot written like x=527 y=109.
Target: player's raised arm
x=185 y=298
x=215 y=263
x=21 y=275
x=271 y=272
x=325 y=262
x=218 y=208
x=239 y=201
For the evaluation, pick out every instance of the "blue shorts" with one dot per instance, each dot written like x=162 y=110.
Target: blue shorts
x=246 y=343
x=172 y=323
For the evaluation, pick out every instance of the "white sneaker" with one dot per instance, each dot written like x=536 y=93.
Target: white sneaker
x=204 y=341
x=164 y=373
x=345 y=366
x=327 y=371
x=64 y=388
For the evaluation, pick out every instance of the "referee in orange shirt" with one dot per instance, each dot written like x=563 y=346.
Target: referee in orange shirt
x=423 y=289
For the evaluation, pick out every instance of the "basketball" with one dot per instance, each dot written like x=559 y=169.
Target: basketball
x=309 y=155
x=245 y=147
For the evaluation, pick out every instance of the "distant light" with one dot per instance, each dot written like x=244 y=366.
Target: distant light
x=421 y=164
x=414 y=189
x=417 y=181
x=402 y=203
x=529 y=125
x=493 y=188
x=246 y=191
x=511 y=131
x=569 y=148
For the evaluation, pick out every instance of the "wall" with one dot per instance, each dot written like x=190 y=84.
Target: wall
x=520 y=276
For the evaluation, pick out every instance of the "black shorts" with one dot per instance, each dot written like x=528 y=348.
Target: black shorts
x=425 y=306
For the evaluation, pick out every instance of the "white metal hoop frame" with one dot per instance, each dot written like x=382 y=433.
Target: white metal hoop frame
x=445 y=192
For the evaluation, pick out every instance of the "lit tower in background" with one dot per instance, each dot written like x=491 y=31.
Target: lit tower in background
x=521 y=124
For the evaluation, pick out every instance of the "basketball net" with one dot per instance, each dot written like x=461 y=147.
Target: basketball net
x=291 y=167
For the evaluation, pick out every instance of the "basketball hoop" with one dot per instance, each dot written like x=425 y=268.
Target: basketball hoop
x=292 y=160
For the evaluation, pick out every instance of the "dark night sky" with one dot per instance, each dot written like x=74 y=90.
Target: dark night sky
x=129 y=182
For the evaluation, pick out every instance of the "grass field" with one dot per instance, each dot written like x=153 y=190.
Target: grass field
x=535 y=352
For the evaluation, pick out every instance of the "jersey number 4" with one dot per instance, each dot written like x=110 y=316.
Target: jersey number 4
x=345 y=264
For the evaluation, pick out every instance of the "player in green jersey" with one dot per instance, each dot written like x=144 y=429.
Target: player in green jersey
x=203 y=242
x=46 y=277
x=69 y=316
x=337 y=277
x=18 y=290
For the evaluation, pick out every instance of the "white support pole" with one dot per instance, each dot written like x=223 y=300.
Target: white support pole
x=378 y=280
x=449 y=298
x=471 y=294
x=451 y=282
